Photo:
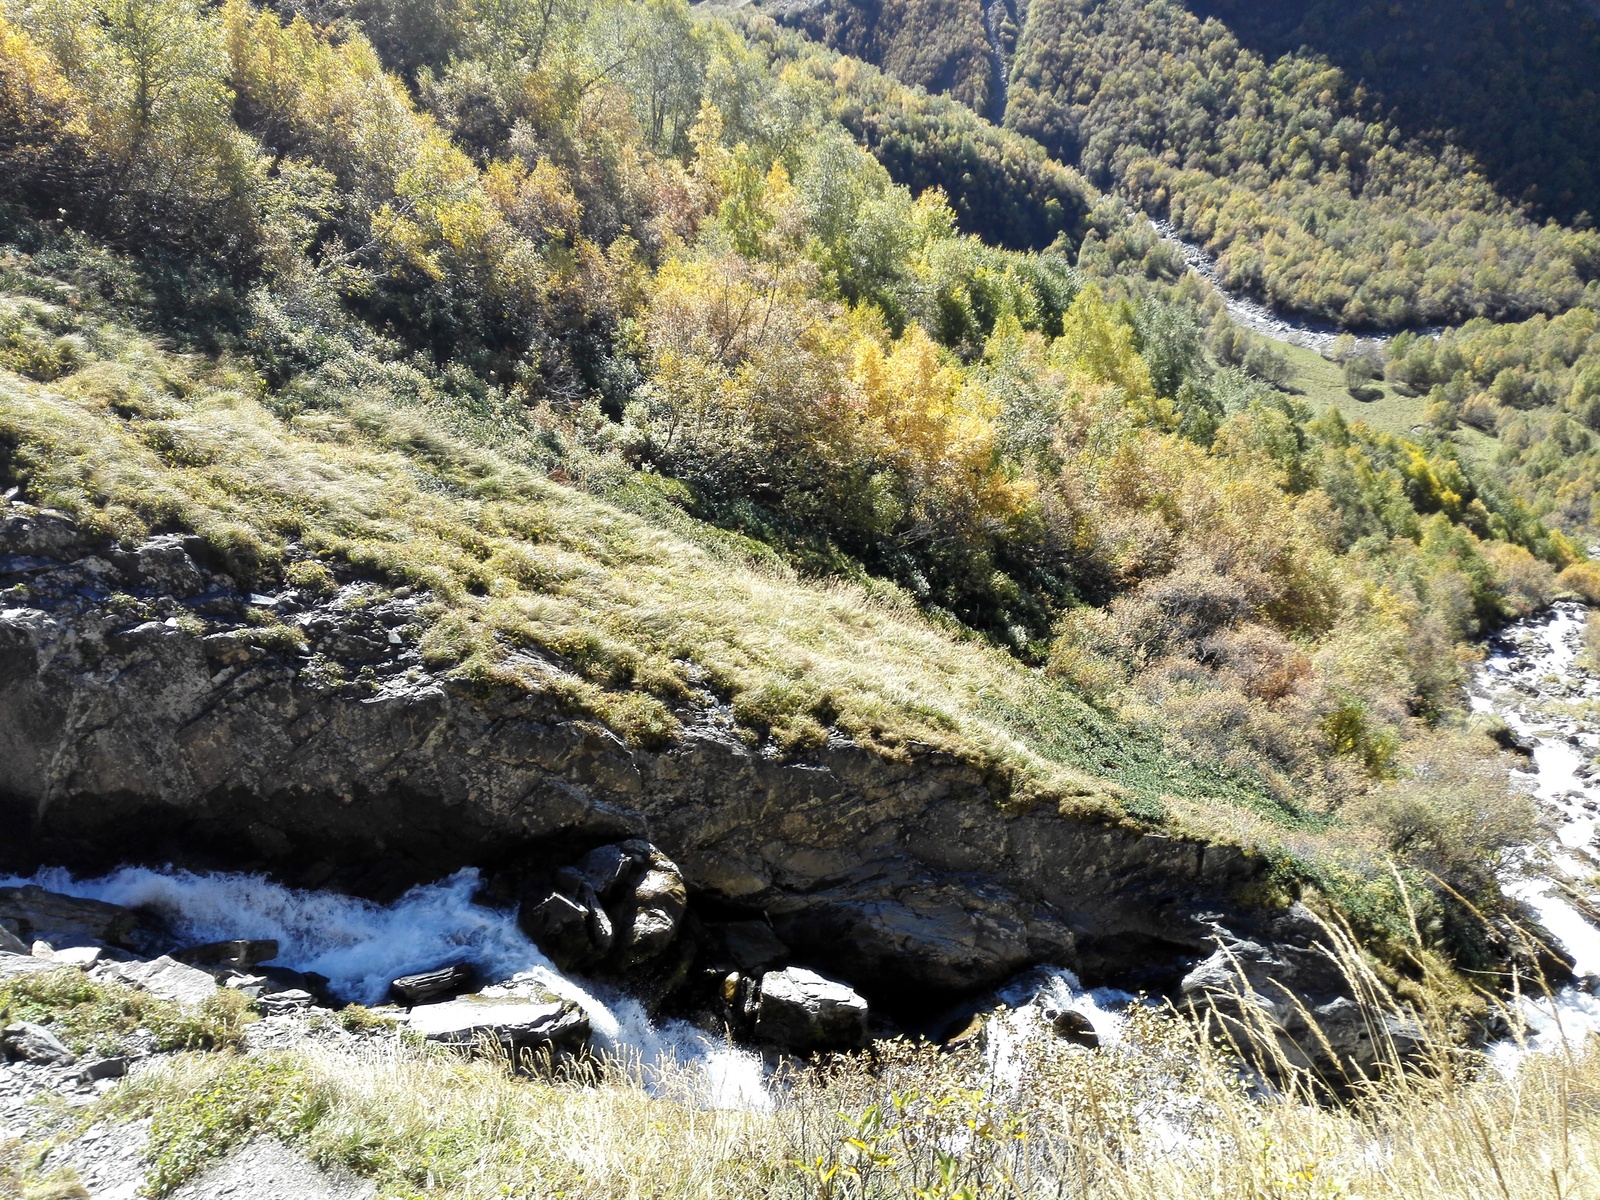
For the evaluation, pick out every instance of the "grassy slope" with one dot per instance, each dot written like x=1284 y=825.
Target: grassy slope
x=627 y=616
x=1385 y=407
x=1321 y=384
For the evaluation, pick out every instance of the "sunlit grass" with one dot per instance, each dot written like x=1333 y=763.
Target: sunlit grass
x=547 y=588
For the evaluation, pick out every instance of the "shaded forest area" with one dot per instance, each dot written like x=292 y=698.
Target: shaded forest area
x=1318 y=190
x=1512 y=84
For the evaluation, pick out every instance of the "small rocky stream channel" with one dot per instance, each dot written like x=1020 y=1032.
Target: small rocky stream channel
x=1534 y=678
x=569 y=962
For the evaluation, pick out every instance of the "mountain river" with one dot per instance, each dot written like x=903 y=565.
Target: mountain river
x=1252 y=314
x=1531 y=678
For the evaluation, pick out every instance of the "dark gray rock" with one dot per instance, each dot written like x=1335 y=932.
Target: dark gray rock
x=237 y=955
x=800 y=1011
x=1070 y=1025
x=39 y=915
x=574 y=933
x=35 y=1044
x=426 y=986
x=97 y=1069
x=616 y=910
x=1284 y=996
x=10 y=943
x=746 y=946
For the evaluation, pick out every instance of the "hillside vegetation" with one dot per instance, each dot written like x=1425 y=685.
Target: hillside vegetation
x=1286 y=153
x=596 y=323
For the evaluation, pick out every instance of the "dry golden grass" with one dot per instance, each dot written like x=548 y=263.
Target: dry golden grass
x=546 y=587
x=1164 y=1116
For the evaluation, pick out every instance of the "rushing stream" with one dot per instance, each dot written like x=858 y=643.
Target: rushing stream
x=1252 y=314
x=1532 y=679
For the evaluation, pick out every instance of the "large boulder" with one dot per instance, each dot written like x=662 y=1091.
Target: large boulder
x=239 y=954
x=617 y=910
x=800 y=1011
x=427 y=986
x=36 y=914
x=519 y=1018
x=35 y=1044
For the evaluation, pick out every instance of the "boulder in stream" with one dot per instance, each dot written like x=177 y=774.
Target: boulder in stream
x=617 y=909
x=800 y=1011
x=239 y=955
x=517 y=1019
x=426 y=986
x=35 y=913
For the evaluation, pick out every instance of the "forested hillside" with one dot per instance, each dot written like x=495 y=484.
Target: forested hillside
x=1318 y=160
x=617 y=408
x=1512 y=85
x=474 y=298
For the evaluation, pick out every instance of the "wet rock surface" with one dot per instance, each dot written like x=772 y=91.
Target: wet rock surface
x=152 y=710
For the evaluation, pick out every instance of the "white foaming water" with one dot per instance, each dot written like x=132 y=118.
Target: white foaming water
x=1011 y=1037
x=361 y=946
x=1532 y=670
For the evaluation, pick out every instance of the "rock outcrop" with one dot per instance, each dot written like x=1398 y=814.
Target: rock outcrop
x=150 y=709
x=1284 y=994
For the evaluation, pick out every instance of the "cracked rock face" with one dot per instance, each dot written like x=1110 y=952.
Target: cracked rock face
x=151 y=710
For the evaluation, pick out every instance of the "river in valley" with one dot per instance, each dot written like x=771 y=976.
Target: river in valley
x=1253 y=315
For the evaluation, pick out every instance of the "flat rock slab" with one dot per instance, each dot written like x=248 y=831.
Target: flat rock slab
x=271 y=1171
x=36 y=913
x=13 y=965
x=516 y=1022
x=164 y=977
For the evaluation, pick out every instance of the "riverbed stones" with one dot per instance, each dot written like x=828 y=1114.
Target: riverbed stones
x=164 y=977
x=1070 y=1025
x=798 y=1010
x=1285 y=996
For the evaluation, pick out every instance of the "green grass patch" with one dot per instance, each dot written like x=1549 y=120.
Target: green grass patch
x=1381 y=405
x=94 y=1017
